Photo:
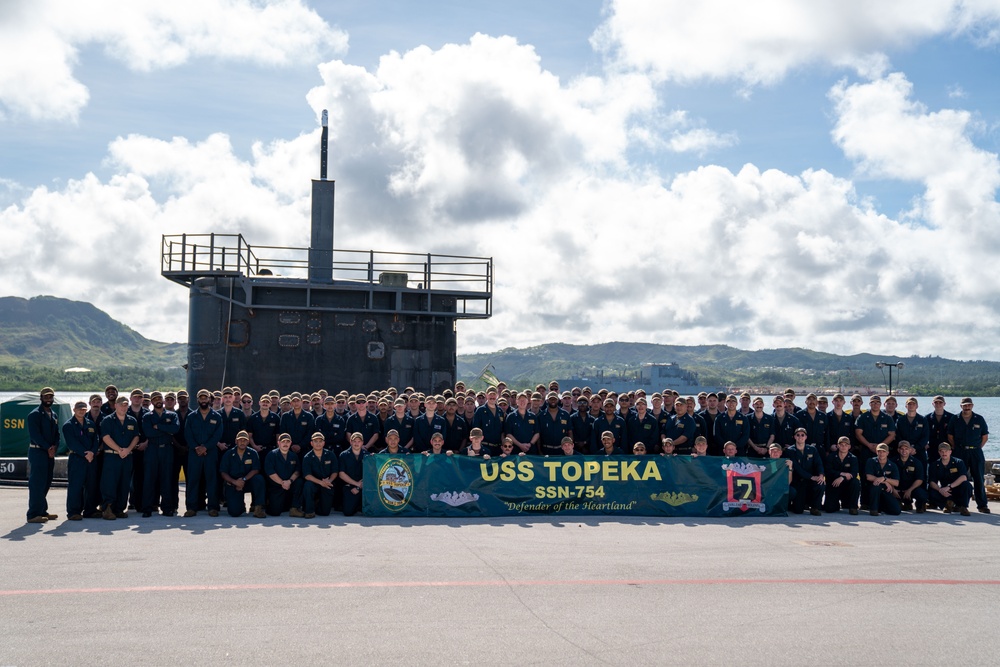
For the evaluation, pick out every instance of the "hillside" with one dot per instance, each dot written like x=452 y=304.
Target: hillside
x=59 y=333
x=728 y=366
x=42 y=336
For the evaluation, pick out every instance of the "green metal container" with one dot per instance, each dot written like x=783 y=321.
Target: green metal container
x=14 y=423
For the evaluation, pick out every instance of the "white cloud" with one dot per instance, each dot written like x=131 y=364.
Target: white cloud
x=677 y=132
x=760 y=42
x=476 y=131
x=892 y=136
x=700 y=141
x=476 y=149
x=40 y=39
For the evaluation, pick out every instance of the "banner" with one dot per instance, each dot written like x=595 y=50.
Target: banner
x=440 y=485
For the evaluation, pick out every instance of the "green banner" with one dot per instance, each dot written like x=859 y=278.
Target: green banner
x=440 y=485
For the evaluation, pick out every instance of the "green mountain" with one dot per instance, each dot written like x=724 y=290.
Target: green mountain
x=43 y=336
x=60 y=333
x=722 y=365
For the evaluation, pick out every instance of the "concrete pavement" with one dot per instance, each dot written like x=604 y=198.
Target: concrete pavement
x=916 y=589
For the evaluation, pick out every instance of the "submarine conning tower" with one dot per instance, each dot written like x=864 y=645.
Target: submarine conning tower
x=302 y=319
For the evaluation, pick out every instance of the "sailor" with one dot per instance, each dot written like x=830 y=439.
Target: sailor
x=111 y=393
x=807 y=474
x=709 y=414
x=761 y=430
x=82 y=496
x=423 y=427
x=233 y=420
x=490 y=418
x=320 y=469
x=838 y=424
x=911 y=427
x=642 y=426
x=138 y=411
x=352 y=471
x=949 y=482
x=202 y=430
x=399 y=421
x=522 y=425
x=43 y=436
x=609 y=422
x=890 y=409
x=437 y=446
x=159 y=426
x=263 y=428
x=871 y=429
x=624 y=406
x=938 y=421
x=680 y=429
x=842 y=484
x=732 y=426
x=967 y=434
x=240 y=470
x=180 y=445
x=553 y=425
x=299 y=424
x=284 y=487
x=120 y=435
x=912 y=476
x=608 y=446
x=457 y=433
x=568 y=447
x=245 y=404
x=785 y=424
x=660 y=414
x=366 y=423
x=814 y=421
x=475 y=447
x=393 y=447
x=883 y=478
x=507 y=448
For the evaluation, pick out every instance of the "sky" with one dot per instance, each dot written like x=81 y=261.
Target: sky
x=757 y=174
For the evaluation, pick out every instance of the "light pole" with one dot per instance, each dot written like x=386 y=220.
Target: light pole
x=899 y=365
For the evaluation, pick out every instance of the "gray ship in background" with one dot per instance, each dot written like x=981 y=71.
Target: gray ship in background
x=302 y=319
x=651 y=377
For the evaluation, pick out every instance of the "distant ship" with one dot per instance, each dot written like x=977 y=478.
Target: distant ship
x=651 y=377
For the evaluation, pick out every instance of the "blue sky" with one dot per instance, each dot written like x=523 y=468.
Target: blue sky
x=765 y=174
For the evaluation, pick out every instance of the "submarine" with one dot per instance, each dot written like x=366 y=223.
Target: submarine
x=305 y=319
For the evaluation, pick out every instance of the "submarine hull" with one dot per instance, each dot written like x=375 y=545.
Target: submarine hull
x=294 y=348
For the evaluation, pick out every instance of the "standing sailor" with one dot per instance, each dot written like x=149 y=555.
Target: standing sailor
x=43 y=434
x=202 y=430
x=120 y=434
x=968 y=434
x=82 y=496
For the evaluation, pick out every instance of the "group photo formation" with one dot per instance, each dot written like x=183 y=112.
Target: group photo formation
x=302 y=453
